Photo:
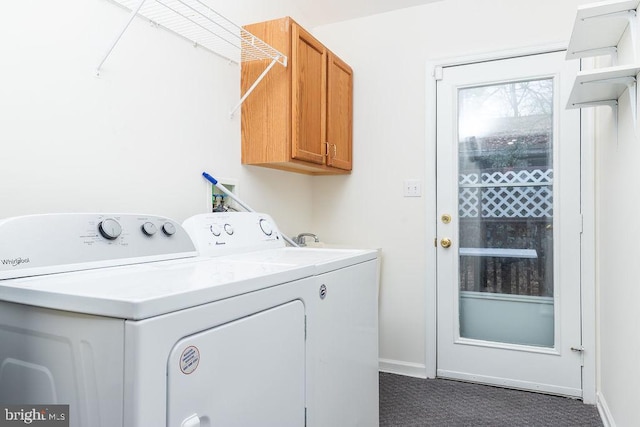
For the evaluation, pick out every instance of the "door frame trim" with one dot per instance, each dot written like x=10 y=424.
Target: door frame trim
x=587 y=244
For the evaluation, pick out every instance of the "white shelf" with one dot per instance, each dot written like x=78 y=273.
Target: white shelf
x=603 y=86
x=202 y=26
x=599 y=26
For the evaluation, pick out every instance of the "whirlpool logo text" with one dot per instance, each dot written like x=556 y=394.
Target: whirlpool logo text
x=15 y=261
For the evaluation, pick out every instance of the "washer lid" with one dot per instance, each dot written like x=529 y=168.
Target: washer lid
x=146 y=290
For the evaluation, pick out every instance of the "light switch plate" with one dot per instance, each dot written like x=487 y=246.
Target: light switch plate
x=412 y=188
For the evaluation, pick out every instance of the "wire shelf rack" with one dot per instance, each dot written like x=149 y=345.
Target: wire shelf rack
x=197 y=22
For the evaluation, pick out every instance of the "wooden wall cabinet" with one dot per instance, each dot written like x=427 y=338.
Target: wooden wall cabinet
x=299 y=118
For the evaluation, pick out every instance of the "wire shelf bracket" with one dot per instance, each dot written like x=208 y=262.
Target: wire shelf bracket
x=198 y=23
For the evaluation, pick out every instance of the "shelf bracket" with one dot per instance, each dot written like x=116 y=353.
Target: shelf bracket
x=132 y=15
x=608 y=102
x=613 y=103
x=630 y=16
x=253 y=86
x=626 y=80
x=632 y=88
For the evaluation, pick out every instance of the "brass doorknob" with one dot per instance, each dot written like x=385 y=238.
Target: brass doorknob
x=445 y=243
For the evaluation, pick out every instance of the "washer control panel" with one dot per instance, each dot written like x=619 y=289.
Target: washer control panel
x=54 y=243
x=223 y=233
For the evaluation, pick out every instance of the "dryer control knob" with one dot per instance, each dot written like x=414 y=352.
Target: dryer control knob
x=169 y=229
x=110 y=228
x=266 y=227
x=229 y=229
x=149 y=228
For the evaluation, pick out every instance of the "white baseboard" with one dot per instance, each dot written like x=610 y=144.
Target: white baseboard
x=603 y=410
x=399 y=367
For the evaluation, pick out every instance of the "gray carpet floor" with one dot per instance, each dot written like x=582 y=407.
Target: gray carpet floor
x=409 y=402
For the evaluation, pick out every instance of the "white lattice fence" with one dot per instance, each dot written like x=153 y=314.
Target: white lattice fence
x=511 y=194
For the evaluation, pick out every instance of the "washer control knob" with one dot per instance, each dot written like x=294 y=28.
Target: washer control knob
x=168 y=228
x=149 y=228
x=110 y=228
x=266 y=227
x=215 y=230
x=229 y=229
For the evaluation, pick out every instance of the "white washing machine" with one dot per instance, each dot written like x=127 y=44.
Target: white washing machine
x=342 y=325
x=116 y=316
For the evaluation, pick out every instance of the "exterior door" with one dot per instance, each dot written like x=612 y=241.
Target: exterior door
x=509 y=224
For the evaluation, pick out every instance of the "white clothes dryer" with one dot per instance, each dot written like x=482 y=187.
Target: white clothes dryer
x=116 y=316
x=342 y=322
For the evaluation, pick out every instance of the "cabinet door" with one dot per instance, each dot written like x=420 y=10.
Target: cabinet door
x=308 y=65
x=339 y=113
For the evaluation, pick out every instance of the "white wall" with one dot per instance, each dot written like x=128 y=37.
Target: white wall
x=617 y=237
x=135 y=139
x=618 y=234
x=388 y=53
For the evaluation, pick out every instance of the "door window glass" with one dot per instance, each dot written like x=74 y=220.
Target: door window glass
x=505 y=206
